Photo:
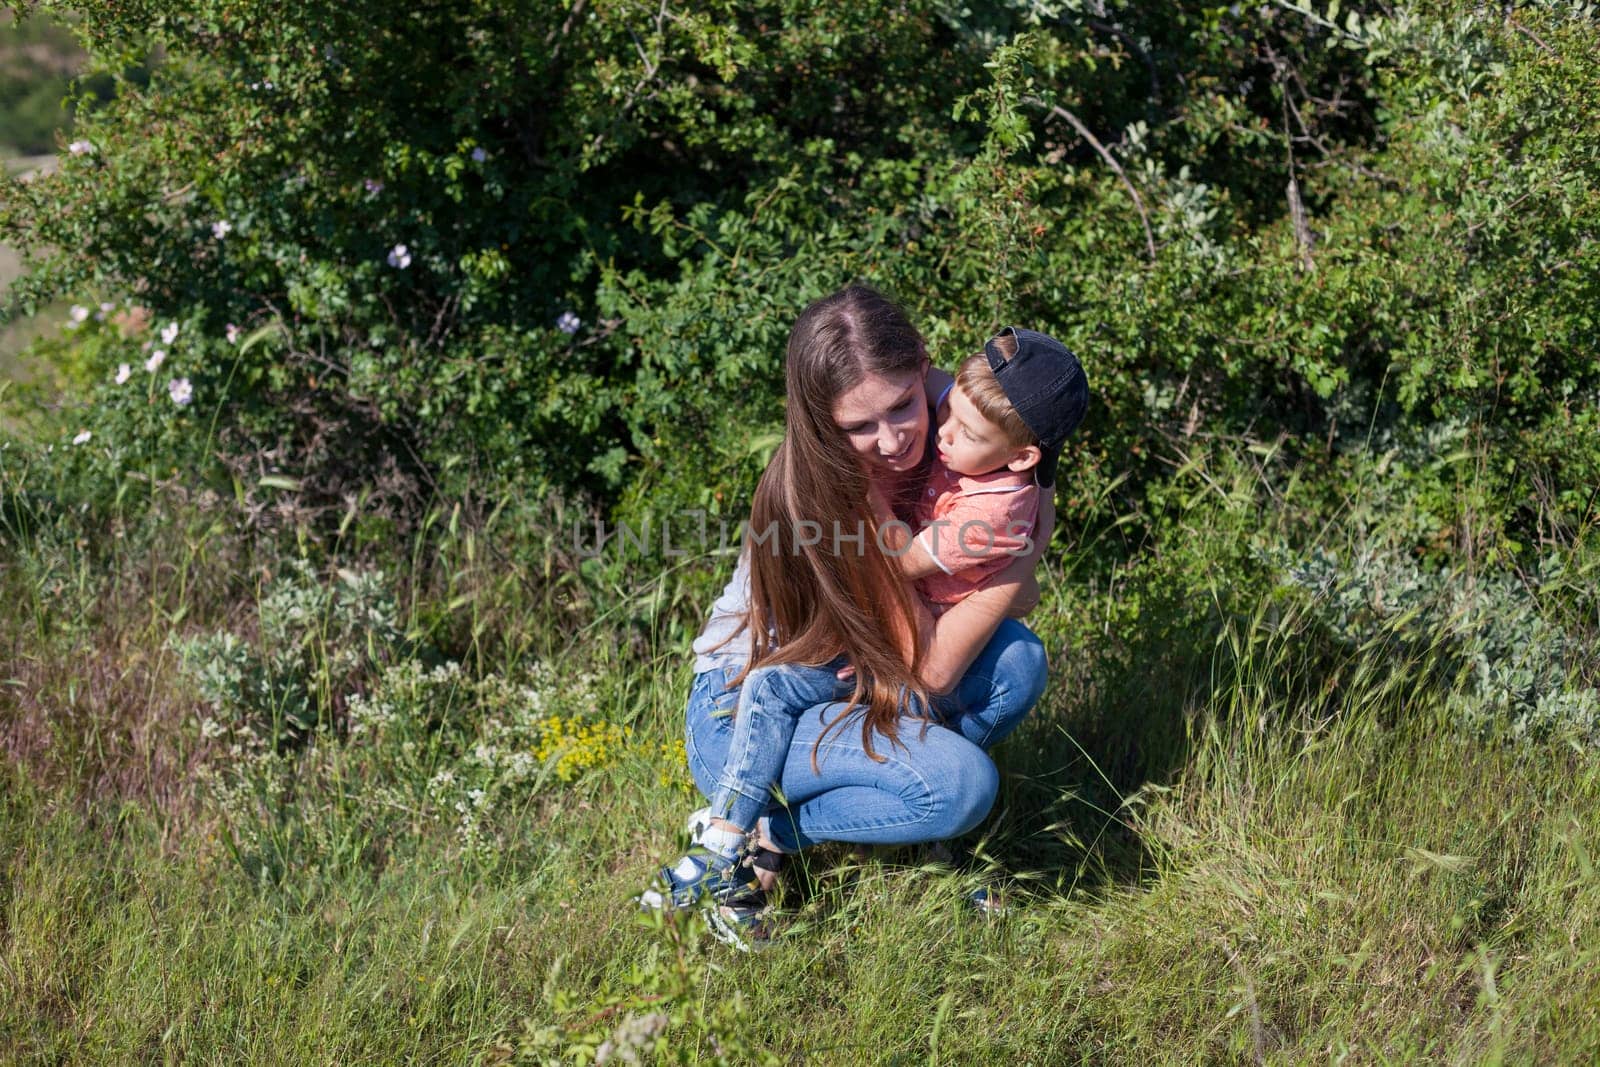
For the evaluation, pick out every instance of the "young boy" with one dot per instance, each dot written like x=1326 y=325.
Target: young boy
x=1002 y=423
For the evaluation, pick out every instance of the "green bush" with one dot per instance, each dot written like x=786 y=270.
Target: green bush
x=532 y=249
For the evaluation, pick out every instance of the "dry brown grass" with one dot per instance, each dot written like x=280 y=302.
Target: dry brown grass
x=92 y=703
x=104 y=716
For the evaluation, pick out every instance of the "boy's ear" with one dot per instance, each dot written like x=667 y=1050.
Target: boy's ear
x=1025 y=458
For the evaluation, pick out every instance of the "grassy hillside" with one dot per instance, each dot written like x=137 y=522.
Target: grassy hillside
x=1225 y=836
x=39 y=60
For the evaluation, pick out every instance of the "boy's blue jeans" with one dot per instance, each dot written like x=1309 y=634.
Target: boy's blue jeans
x=936 y=782
x=771 y=702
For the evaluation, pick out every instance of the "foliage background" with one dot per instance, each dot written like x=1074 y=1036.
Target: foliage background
x=1347 y=229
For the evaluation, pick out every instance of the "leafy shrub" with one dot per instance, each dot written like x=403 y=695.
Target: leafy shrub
x=317 y=641
x=539 y=249
x=1509 y=669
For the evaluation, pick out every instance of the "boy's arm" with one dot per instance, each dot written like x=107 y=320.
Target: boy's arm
x=909 y=555
x=977 y=534
x=942 y=547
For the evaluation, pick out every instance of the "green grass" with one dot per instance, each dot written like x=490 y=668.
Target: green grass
x=1205 y=863
x=1395 y=895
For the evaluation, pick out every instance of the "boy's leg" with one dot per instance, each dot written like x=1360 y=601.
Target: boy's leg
x=769 y=703
x=771 y=700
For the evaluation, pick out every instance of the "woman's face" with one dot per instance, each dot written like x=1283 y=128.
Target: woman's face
x=885 y=420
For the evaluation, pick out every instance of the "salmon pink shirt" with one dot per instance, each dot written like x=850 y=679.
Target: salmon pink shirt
x=971 y=525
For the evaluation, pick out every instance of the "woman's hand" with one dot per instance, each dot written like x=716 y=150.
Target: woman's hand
x=1017 y=576
x=1021 y=568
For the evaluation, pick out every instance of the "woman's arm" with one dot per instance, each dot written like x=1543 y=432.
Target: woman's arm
x=954 y=640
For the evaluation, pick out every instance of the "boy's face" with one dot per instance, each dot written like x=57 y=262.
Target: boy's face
x=971 y=444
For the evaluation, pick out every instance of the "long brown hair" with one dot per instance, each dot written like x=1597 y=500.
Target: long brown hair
x=811 y=601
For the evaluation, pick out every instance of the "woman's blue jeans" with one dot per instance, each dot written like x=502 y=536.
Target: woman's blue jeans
x=937 y=782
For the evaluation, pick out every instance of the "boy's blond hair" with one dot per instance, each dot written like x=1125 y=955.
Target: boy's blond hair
x=977 y=382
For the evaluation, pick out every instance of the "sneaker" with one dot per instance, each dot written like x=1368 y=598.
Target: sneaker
x=700 y=873
x=744 y=922
x=987 y=901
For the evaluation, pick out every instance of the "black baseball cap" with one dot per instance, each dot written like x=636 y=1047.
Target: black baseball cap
x=1046 y=385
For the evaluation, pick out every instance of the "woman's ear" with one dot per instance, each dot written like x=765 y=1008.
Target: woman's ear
x=1025 y=458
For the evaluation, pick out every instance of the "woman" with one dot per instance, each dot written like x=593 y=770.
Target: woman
x=853 y=459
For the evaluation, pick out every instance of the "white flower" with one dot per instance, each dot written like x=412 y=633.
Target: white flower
x=78 y=314
x=373 y=186
x=153 y=364
x=568 y=322
x=82 y=438
x=81 y=148
x=219 y=229
x=124 y=372
x=107 y=307
x=479 y=155
x=233 y=334
x=169 y=333
x=400 y=257
x=181 y=391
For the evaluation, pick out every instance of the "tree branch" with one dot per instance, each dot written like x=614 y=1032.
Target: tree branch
x=1110 y=160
